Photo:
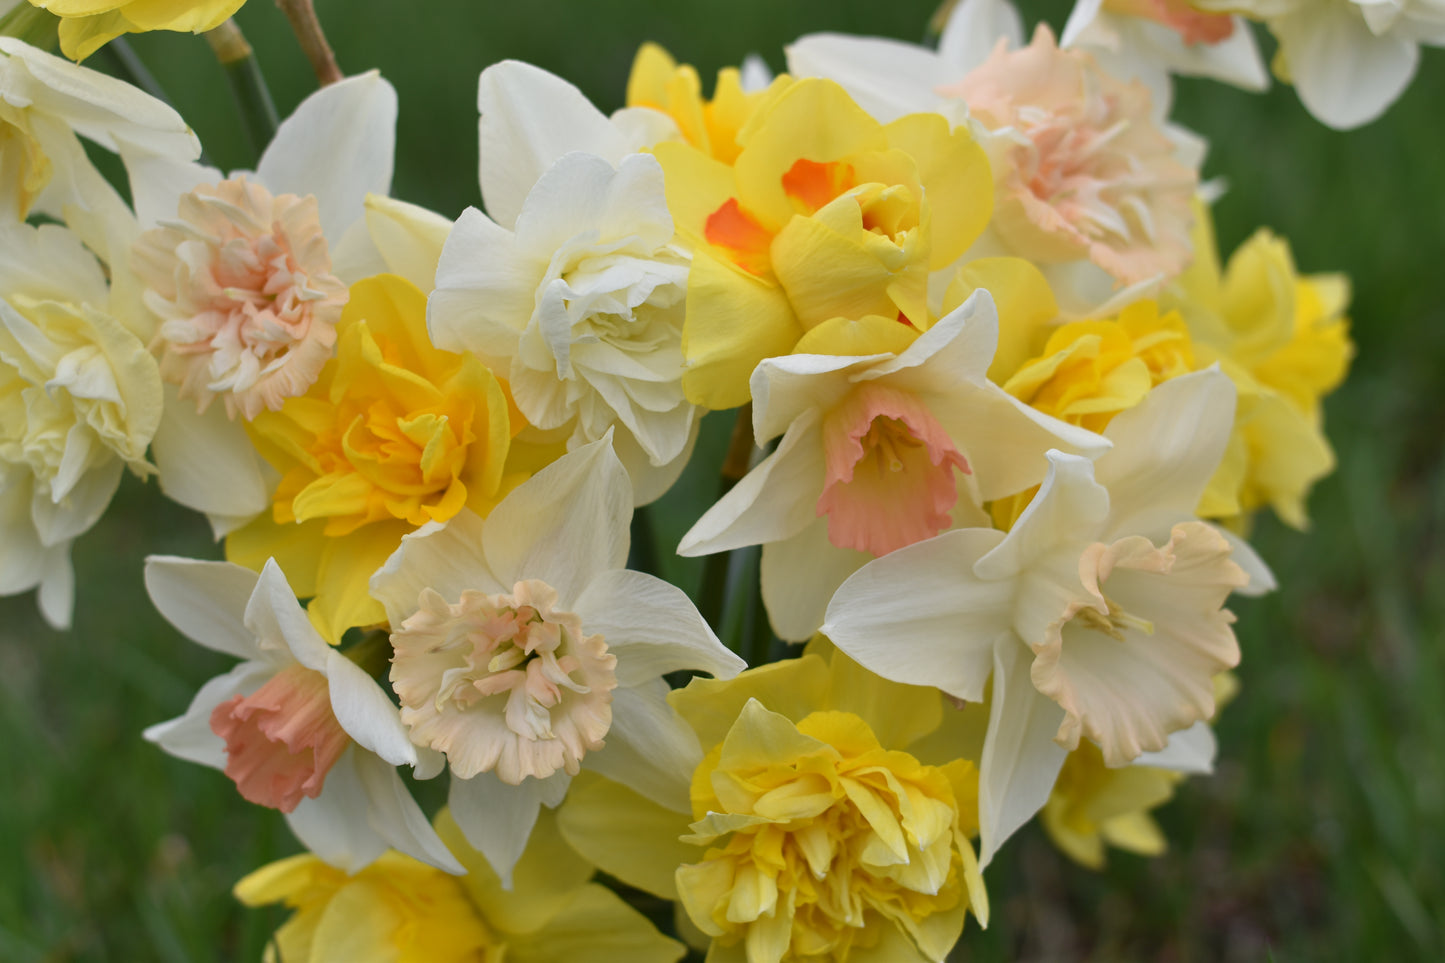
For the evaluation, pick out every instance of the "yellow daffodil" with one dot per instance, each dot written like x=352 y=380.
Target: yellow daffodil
x=398 y=910
x=393 y=434
x=1092 y=806
x=825 y=822
x=825 y=213
x=659 y=82
x=88 y=25
x=1284 y=340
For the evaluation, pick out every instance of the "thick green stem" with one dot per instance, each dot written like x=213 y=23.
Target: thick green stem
x=248 y=85
x=714 y=592
x=130 y=67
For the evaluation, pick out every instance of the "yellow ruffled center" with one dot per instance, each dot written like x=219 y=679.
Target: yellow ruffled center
x=503 y=682
x=820 y=841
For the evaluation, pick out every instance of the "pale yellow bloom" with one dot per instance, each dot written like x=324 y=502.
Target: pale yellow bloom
x=88 y=25
x=1092 y=806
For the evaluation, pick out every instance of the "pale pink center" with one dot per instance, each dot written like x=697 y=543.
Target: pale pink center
x=889 y=478
x=242 y=283
x=282 y=739
x=503 y=682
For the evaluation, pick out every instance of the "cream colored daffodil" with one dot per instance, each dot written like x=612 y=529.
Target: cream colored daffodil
x=297 y=725
x=243 y=280
x=88 y=25
x=80 y=399
x=1349 y=60
x=522 y=645
x=1098 y=616
x=888 y=437
x=831 y=818
x=400 y=911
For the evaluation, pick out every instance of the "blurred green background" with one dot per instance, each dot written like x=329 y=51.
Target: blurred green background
x=1320 y=837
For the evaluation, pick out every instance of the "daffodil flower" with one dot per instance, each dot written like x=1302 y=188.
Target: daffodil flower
x=297 y=725
x=243 y=280
x=1099 y=615
x=524 y=650
x=887 y=439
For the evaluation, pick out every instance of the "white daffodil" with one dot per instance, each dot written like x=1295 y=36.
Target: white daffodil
x=1349 y=60
x=242 y=286
x=574 y=287
x=1099 y=615
x=1149 y=40
x=870 y=450
x=521 y=644
x=45 y=102
x=297 y=725
x=80 y=399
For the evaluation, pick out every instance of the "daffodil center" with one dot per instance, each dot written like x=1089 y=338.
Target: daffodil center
x=505 y=682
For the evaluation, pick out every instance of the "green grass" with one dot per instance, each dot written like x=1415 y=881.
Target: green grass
x=1322 y=835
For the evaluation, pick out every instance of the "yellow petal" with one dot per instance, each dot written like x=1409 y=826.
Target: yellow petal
x=734 y=320
x=1025 y=302
x=957 y=182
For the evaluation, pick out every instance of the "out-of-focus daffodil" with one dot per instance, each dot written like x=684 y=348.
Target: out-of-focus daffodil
x=88 y=25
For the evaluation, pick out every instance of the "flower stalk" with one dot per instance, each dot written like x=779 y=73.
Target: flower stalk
x=248 y=85
x=302 y=16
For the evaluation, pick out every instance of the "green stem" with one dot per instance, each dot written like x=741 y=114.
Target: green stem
x=713 y=593
x=248 y=85
x=643 y=556
x=301 y=14
x=39 y=28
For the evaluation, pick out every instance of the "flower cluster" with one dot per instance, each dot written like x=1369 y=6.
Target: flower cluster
x=1004 y=418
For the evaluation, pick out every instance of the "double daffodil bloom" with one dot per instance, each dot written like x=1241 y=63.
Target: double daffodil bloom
x=824 y=214
x=88 y=25
x=831 y=818
x=394 y=434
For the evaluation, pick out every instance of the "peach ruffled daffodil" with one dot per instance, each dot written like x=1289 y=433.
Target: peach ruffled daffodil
x=524 y=651
x=88 y=25
x=1284 y=340
x=824 y=823
x=243 y=280
x=1098 y=616
x=824 y=214
x=80 y=399
x=393 y=434
x=402 y=911
x=888 y=438
x=297 y=725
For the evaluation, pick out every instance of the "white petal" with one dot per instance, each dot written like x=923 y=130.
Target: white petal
x=1261 y=579
x=774 y=501
x=565 y=525
x=888 y=78
x=190 y=736
x=207 y=462
x=338 y=145
x=1165 y=451
x=486 y=289
x=1189 y=750
x=365 y=712
x=974 y=28
x=650 y=749
x=652 y=627
x=447 y=558
x=408 y=237
x=650 y=482
x=205 y=601
x=920 y=616
x=784 y=388
x=337 y=825
x=279 y=623
x=1020 y=761
x=530 y=118
x=398 y=819
x=585 y=192
x=800 y=574
x=497 y=819
x=157 y=182
x=1344 y=73
x=1068 y=511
